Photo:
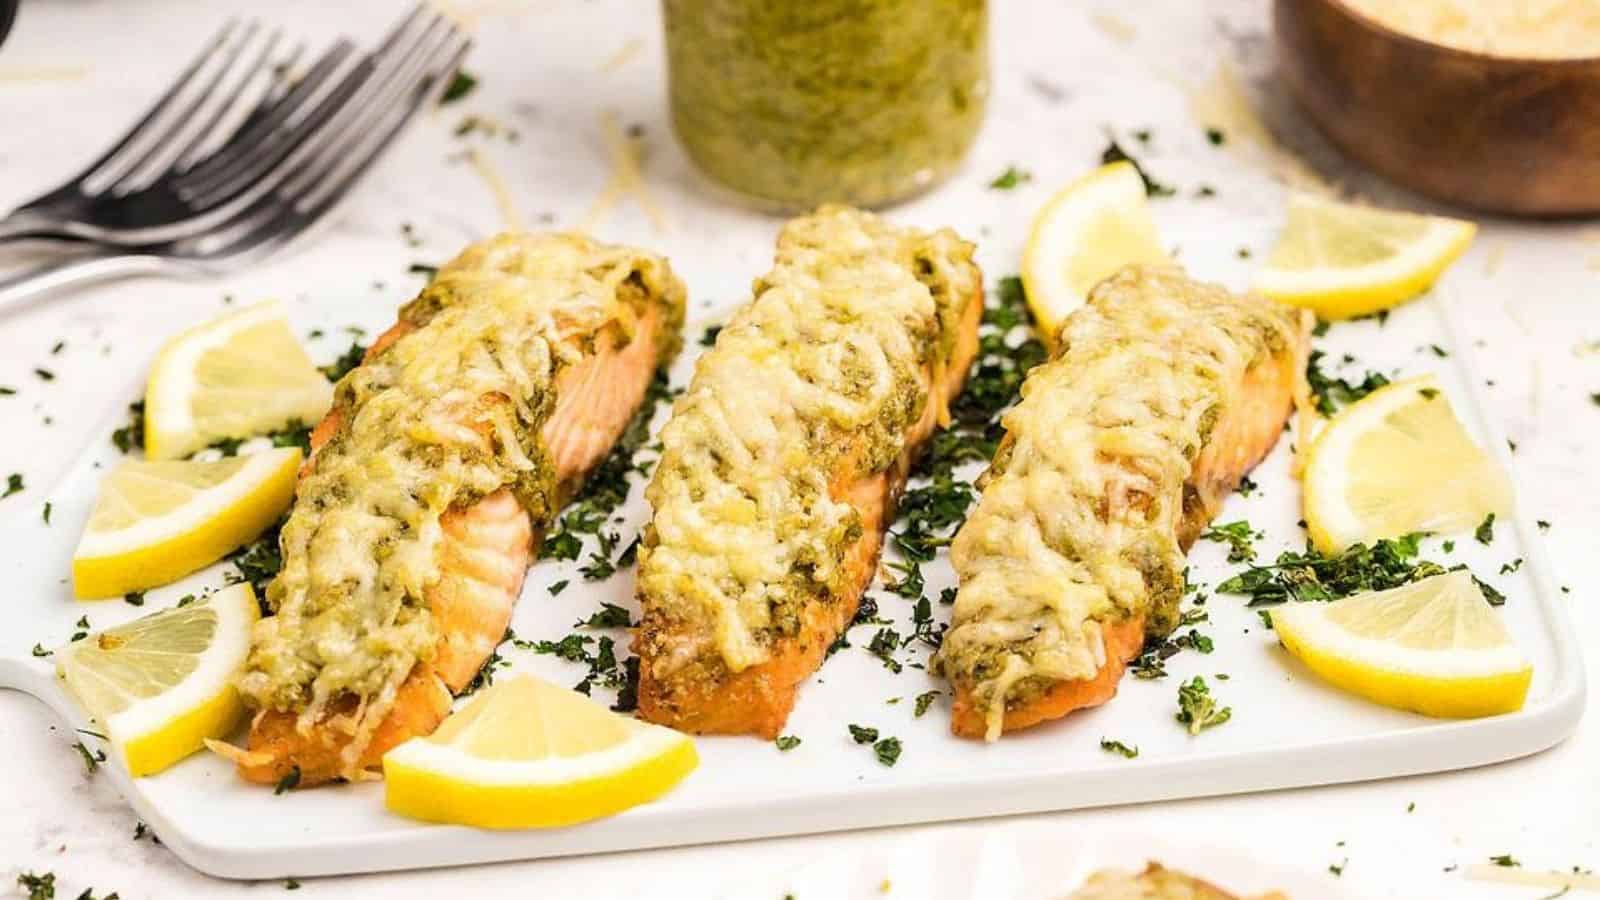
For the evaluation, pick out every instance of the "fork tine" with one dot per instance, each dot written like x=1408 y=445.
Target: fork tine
x=142 y=128
x=160 y=153
x=277 y=219
x=447 y=57
x=397 y=73
x=208 y=135
x=355 y=102
x=266 y=134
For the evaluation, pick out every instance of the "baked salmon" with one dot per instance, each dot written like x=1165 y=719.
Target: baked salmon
x=1161 y=395
x=782 y=463
x=447 y=453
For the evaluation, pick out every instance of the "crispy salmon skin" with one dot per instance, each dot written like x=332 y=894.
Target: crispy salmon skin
x=447 y=453
x=1162 y=395
x=782 y=463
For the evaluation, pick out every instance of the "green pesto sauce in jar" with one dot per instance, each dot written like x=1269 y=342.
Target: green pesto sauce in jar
x=794 y=104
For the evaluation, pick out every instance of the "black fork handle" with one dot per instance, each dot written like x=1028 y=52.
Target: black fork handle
x=8 y=14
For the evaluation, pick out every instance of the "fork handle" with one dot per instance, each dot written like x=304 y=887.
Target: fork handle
x=57 y=275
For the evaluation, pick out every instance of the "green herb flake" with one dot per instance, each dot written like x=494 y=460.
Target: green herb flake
x=91 y=758
x=288 y=782
x=1126 y=751
x=1010 y=178
x=1333 y=394
x=45 y=513
x=558 y=586
x=924 y=701
x=1505 y=860
x=39 y=887
x=461 y=84
x=887 y=751
x=13 y=485
x=863 y=734
x=130 y=436
x=786 y=743
x=45 y=374
x=1485 y=530
x=133 y=598
x=1239 y=537
x=1197 y=709
x=1152 y=188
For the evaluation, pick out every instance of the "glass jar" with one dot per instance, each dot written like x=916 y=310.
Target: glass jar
x=800 y=102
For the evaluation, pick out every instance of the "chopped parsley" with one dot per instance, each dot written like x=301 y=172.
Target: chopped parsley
x=45 y=513
x=609 y=616
x=288 y=782
x=862 y=734
x=1216 y=137
x=13 y=485
x=887 y=750
x=81 y=629
x=558 y=586
x=786 y=742
x=1485 y=530
x=1152 y=187
x=45 y=374
x=461 y=84
x=1124 y=750
x=131 y=436
x=40 y=652
x=924 y=701
x=133 y=598
x=1010 y=178
x=39 y=887
x=346 y=361
x=1388 y=563
x=418 y=268
x=1239 y=537
x=1505 y=860
x=1197 y=709
x=1331 y=393
x=91 y=758
x=258 y=562
x=607 y=488
x=708 y=338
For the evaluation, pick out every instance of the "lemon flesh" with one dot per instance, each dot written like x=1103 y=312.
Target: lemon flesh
x=1435 y=647
x=155 y=522
x=162 y=684
x=1342 y=260
x=525 y=753
x=1086 y=232
x=1395 y=462
x=241 y=375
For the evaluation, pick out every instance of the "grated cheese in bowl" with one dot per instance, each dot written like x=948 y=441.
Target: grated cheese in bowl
x=1540 y=29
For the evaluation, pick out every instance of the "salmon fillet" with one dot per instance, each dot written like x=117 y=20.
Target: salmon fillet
x=591 y=323
x=783 y=461
x=1162 y=395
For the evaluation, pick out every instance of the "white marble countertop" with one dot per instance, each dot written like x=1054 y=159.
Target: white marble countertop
x=73 y=72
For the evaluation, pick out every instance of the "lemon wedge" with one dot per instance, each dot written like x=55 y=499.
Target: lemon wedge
x=1435 y=647
x=1342 y=260
x=1087 y=231
x=162 y=684
x=237 y=376
x=1397 y=461
x=155 y=522
x=525 y=753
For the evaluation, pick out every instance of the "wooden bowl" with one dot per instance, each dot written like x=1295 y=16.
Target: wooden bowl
x=1499 y=134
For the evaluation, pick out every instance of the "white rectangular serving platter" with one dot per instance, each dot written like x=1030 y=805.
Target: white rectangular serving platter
x=1287 y=729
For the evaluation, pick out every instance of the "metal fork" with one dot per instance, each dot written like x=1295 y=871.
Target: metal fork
x=308 y=181
x=220 y=128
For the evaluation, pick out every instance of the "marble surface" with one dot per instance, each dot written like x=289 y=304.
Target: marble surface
x=73 y=71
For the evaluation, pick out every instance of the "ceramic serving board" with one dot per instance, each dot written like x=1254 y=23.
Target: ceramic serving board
x=1287 y=729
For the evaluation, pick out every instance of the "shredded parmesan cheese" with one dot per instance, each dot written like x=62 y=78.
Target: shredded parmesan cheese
x=1080 y=516
x=1583 y=881
x=625 y=153
x=1224 y=104
x=503 y=201
x=823 y=372
x=1540 y=29
x=623 y=56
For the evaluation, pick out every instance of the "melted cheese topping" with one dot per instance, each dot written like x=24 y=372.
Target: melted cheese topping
x=829 y=359
x=1079 y=516
x=448 y=413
